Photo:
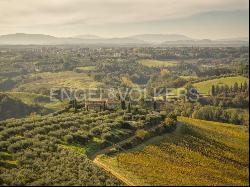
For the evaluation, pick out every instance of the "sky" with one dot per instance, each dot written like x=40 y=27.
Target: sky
x=200 y=19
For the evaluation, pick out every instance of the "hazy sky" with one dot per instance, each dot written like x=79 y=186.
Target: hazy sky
x=114 y=18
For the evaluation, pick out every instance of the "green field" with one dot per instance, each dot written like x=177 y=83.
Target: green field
x=158 y=63
x=37 y=99
x=29 y=98
x=189 y=78
x=205 y=86
x=86 y=68
x=67 y=79
x=197 y=153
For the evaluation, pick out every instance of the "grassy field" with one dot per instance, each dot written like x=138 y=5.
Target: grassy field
x=197 y=153
x=205 y=86
x=158 y=63
x=189 y=78
x=29 y=98
x=87 y=68
x=37 y=99
x=67 y=79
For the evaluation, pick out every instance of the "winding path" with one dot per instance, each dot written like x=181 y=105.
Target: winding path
x=97 y=161
x=113 y=172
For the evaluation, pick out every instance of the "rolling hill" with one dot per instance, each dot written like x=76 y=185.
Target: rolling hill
x=27 y=39
x=197 y=153
x=160 y=38
x=59 y=147
x=41 y=39
x=205 y=86
x=144 y=40
x=14 y=108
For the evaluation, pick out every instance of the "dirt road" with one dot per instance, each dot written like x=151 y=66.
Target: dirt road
x=114 y=173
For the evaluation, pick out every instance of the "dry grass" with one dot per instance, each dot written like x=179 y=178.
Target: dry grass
x=67 y=79
x=198 y=153
x=158 y=63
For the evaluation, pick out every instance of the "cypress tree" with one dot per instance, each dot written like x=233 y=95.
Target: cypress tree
x=213 y=90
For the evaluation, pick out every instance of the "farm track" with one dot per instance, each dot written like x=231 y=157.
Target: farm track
x=113 y=172
x=96 y=159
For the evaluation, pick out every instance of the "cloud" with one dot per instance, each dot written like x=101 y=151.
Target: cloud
x=31 y=13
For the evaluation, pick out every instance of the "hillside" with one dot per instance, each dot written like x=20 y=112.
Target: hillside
x=162 y=40
x=15 y=108
x=197 y=153
x=65 y=79
x=205 y=86
x=26 y=39
x=58 y=146
x=38 y=100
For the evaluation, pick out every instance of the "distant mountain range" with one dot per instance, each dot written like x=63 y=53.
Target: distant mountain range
x=136 y=40
x=160 y=38
x=88 y=37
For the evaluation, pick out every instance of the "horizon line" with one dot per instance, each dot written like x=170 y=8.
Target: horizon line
x=127 y=36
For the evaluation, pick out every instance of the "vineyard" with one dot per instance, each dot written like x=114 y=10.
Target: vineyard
x=197 y=153
x=122 y=115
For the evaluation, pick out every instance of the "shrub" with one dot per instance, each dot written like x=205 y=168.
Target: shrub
x=5 y=156
x=1 y=181
x=96 y=131
x=142 y=134
x=172 y=115
x=68 y=138
x=4 y=145
x=127 y=125
x=163 y=114
x=153 y=119
x=80 y=138
x=128 y=116
x=18 y=146
x=168 y=122
x=108 y=136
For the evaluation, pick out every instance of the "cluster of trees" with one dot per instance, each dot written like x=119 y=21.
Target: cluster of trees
x=40 y=146
x=225 y=89
x=165 y=80
x=212 y=113
x=236 y=96
x=49 y=164
x=110 y=72
x=35 y=146
x=240 y=100
x=209 y=112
